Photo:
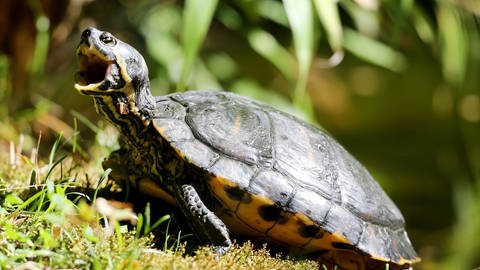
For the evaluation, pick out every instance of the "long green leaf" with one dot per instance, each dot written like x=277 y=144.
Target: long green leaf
x=159 y=222
x=423 y=25
x=267 y=46
x=197 y=16
x=454 y=41
x=272 y=10
x=373 y=51
x=41 y=48
x=300 y=17
x=327 y=11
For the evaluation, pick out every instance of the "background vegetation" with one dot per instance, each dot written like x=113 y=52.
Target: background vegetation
x=396 y=82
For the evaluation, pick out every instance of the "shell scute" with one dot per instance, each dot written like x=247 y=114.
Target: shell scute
x=174 y=130
x=274 y=185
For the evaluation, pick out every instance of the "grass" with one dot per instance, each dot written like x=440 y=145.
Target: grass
x=48 y=215
x=52 y=216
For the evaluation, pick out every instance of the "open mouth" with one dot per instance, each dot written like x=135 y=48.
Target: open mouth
x=93 y=69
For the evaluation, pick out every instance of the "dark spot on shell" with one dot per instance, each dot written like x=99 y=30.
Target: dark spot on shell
x=308 y=231
x=238 y=194
x=272 y=212
x=319 y=235
x=284 y=217
x=340 y=245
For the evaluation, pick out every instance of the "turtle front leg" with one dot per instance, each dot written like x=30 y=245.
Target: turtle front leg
x=207 y=226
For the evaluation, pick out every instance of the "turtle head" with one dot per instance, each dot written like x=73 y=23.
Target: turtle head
x=109 y=66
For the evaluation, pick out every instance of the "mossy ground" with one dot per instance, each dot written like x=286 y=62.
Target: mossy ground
x=52 y=217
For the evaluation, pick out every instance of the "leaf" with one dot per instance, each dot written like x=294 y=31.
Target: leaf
x=423 y=25
x=197 y=16
x=454 y=42
x=39 y=59
x=373 y=51
x=54 y=150
x=300 y=17
x=12 y=200
x=272 y=10
x=267 y=46
x=159 y=222
x=327 y=11
x=161 y=40
x=367 y=21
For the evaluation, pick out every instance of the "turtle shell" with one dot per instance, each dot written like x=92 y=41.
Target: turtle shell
x=278 y=177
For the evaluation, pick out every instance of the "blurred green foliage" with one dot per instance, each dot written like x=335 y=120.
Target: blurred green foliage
x=396 y=81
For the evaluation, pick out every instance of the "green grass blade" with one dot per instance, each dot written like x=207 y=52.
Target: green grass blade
x=454 y=42
x=167 y=236
x=40 y=202
x=54 y=150
x=41 y=48
x=53 y=165
x=197 y=16
x=327 y=11
x=119 y=236
x=85 y=121
x=467 y=223
x=272 y=10
x=423 y=25
x=267 y=46
x=373 y=51
x=75 y=133
x=33 y=177
x=29 y=201
x=367 y=21
x=146 y=228
x=103 y=177
x=138 y=231
x=300 y=17
x=79 y=196
x=176 y=245
x=10 y=200
x=159 y=222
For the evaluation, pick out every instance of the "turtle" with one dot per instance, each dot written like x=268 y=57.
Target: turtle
x=233 y=165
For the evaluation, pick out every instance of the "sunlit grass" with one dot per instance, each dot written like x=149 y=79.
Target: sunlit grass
x=37 y=198
x=48 y=219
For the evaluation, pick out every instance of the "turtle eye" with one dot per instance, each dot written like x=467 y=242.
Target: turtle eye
x=108 y=39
